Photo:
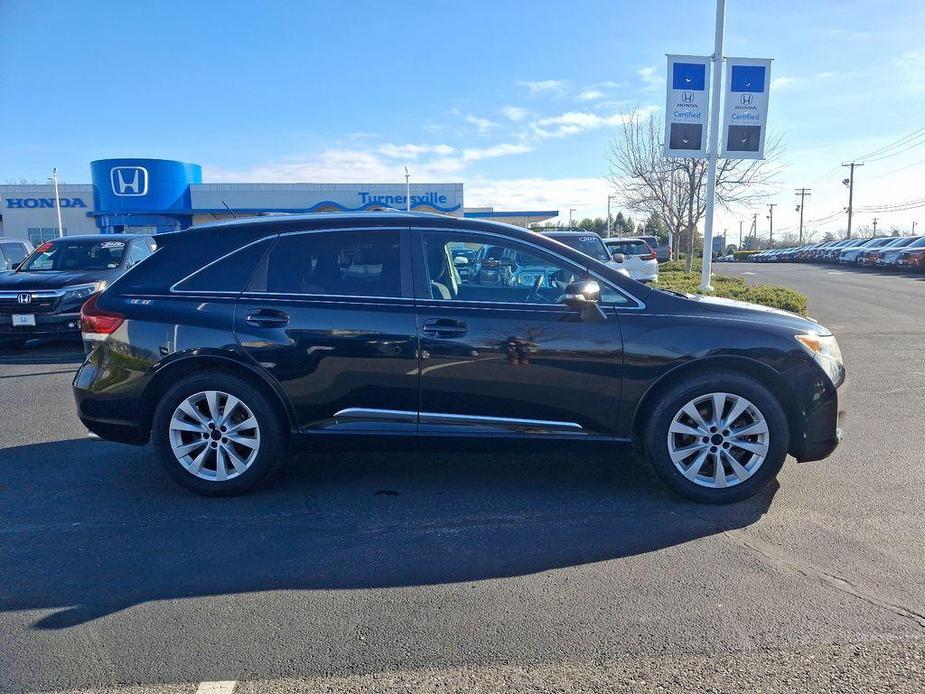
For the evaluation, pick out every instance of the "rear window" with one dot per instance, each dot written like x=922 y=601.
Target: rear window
x=629 y=247
x=228 y=274
x=589 y=245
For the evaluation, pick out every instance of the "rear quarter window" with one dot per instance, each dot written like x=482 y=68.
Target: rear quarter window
x=228 y=274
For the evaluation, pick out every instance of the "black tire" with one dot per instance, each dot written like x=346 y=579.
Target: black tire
x=273 y=428
x=655 y=436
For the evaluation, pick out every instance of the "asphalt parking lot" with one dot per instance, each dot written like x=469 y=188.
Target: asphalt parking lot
x=475 y=573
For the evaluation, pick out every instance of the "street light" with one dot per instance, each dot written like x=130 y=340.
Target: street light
x=609 y=198
x=570 y=210
x=54 y=179
x=407 y=190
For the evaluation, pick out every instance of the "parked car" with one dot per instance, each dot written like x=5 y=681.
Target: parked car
x=662 y=250
x=639 y=258
x=591 y=245
x=338 y=331
x=851 y=254
x=888 y=256
x=912 y=257
x=12 y=253
x=869 y=256
x=43 y=296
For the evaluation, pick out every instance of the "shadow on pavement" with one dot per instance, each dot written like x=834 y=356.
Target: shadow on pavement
x=43 y=352
x=90 y=528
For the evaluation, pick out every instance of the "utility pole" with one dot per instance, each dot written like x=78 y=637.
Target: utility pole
x=913 y=227
x=875 y=226
x=609 y=198
x=740 y=234
x=54 y=179
x=802 y=192
x=713 y=145
x=771 y=207
x=754 y=231
x=570 y=210
x=850 y=183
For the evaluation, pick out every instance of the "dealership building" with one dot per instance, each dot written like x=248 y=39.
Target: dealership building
x=157 y=195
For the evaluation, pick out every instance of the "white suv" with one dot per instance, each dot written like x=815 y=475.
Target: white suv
x=638 y=258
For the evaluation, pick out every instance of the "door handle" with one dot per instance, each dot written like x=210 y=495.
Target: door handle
x=444 y=327
x=267 y=318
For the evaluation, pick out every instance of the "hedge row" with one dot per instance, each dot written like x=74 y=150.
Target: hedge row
x=735 y=288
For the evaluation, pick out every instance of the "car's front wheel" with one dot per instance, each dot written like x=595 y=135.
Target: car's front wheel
x=217 y=435
x=717 y=438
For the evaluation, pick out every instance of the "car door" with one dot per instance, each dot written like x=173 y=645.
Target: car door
x=507 y=357
x=330 y=315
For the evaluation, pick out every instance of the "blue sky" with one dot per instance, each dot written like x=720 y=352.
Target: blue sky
x=516 y=99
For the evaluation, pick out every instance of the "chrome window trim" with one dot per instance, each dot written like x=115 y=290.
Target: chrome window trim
x=639 y=304
x=285 y=296
x=446 y=418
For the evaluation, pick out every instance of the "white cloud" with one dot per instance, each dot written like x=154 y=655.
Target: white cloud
x=587 y=195
x=544 y=86
x=910 y=67
x=514 y=113
x=651 y=76
x=483 y=124
x=411 y=151
x=591 y=94
x=574 y=122
x=785 y=82
x=500 y=150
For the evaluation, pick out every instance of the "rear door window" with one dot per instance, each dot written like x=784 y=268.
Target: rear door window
x=336 y=263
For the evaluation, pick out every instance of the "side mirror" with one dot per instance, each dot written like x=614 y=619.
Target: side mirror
x=584 y=296
x=618 y=257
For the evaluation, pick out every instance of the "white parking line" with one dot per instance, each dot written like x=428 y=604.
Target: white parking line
x=835 y=272
x=748 y=273
x=223 y=687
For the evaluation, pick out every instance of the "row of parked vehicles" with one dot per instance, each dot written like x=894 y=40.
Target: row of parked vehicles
x=897 y=252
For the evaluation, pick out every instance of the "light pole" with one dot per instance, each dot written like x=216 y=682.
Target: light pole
x=713 y=142
x=570 y=210
x=609 y=198
x=407 y=190
x=54 y=179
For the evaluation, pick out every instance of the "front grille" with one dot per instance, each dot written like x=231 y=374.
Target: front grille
x=39 y=302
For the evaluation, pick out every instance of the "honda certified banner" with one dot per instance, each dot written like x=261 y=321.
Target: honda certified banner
x=687 y=106
x=745 y=112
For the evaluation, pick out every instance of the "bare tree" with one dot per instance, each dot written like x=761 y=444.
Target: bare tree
x=675 y=188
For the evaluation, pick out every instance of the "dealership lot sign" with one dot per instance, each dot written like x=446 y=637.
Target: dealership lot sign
x=745 y=112
x=687 y=107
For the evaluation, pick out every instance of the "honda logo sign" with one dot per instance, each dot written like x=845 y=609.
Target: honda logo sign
x=129 y=180
x=24 y=298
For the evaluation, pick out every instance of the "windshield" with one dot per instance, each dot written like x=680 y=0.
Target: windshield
x=629 y=247
x=75 y=255
x=589 y=245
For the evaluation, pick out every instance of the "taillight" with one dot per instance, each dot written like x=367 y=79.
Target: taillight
x=95 y=322
x=648 y=256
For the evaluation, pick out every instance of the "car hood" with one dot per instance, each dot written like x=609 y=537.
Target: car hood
x=53 y=279
x=756 y=312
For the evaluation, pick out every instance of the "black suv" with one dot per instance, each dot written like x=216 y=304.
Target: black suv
x=43 y=295
x=235 y=339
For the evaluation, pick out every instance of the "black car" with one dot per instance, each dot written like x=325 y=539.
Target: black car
x=332 y=331
x=43 y=296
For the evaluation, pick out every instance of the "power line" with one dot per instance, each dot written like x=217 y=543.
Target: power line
x=904 y=139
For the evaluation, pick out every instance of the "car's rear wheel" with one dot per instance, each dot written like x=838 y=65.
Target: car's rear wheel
x=217 y=435
x=718 y=438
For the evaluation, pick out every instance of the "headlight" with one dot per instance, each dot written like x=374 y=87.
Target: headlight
x=78 y=292
x=827 y=354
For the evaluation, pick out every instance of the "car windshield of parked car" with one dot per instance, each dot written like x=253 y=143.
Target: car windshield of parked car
x=918 y=244
x=629 y=247
x=589 y=245
x=75 y=255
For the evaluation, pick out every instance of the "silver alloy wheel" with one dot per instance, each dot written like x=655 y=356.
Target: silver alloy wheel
x=718 y=440
x=214 y=435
